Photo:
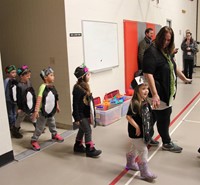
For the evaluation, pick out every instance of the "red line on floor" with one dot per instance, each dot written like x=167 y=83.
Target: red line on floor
x=117 y=179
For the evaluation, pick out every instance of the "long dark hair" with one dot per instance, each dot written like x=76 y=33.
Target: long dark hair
x=82 y=83
x=160 y=39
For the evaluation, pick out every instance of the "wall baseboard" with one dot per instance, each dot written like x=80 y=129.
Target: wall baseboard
x=6 y=158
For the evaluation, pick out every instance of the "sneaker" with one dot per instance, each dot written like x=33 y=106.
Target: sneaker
x=58 y=138
x=172 y=147
x=35 y=145
x=15 y=133
x=153 y=143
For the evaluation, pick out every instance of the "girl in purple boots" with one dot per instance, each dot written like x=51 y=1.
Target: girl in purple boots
x=136 y=129
x=82 y=99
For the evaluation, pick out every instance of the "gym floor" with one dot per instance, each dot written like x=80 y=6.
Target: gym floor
x=57 y=164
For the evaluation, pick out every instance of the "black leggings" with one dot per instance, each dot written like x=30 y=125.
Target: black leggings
x=84 y=130
x=163 y=121
x=188 y=68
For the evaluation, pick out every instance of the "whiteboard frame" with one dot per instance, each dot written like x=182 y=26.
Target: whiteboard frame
x=85 y=51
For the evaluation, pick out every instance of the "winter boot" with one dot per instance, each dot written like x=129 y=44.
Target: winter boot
x=15 y=132
x=145 y=174
x=91 y=151
x=131 y=164
x=78 y=147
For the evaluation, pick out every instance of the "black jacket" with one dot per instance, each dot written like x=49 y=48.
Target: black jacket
x=155 y=63
x=81 y=106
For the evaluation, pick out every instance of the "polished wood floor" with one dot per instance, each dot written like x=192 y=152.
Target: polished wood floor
x=57 y=164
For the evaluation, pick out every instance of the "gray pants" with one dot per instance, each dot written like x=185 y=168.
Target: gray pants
x=20 y=118
x=40 y=125
x=84 y=129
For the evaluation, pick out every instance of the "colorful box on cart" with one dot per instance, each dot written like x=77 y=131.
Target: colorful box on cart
x=125 y=105
x=106 y=117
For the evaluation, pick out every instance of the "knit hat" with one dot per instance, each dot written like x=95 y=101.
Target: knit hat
x=138 y=79
x=23 y=70
x=81 y=71
x=46 y=72
x=10 y=68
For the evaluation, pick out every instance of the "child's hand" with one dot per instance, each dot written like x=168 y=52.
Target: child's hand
x=19 y=111
x=77 y=122
x=58 y=109
x=34 y=116
x=138 y=132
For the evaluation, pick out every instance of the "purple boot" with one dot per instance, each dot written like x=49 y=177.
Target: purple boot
x=145 y=173
x=131 y=164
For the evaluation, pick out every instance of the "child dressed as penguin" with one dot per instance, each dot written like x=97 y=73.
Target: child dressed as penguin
x=140 y=121
x=26 y=99
x=83 y=113
x=45 y=109
x=10 y=84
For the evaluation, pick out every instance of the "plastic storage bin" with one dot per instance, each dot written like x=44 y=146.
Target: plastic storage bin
x=125 y=105
x=108 y=116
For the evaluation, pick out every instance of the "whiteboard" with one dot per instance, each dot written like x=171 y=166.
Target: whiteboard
x=100 y=45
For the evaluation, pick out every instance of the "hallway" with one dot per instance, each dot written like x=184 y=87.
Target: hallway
x=57 y=164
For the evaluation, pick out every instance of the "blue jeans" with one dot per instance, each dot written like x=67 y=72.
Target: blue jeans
x=11 y=110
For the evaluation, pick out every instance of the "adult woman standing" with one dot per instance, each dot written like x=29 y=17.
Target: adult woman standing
x=160 y=70
x=189 y=48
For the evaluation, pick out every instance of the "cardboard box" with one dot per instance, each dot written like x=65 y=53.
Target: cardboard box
x=108 y=116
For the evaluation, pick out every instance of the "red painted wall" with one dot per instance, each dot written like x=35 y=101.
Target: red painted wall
x=131 y=50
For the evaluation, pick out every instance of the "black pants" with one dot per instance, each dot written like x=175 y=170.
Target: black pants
x=163 y=121
x=188 y=67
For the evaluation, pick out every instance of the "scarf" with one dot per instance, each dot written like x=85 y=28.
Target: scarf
x=172 y=77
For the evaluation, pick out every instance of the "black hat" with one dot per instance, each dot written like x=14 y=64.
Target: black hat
x=81 y=71
x=23 y=70
x=10 y=68
x=138 y=79
x=46 y=72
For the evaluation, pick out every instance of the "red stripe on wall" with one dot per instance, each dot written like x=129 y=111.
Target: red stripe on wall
x=130 y=53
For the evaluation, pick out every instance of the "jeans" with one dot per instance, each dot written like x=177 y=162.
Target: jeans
x=11 y=110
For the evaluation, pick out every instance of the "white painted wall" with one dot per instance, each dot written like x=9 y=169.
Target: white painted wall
x=5 y=141
x=36 y=33
x=117 y=11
